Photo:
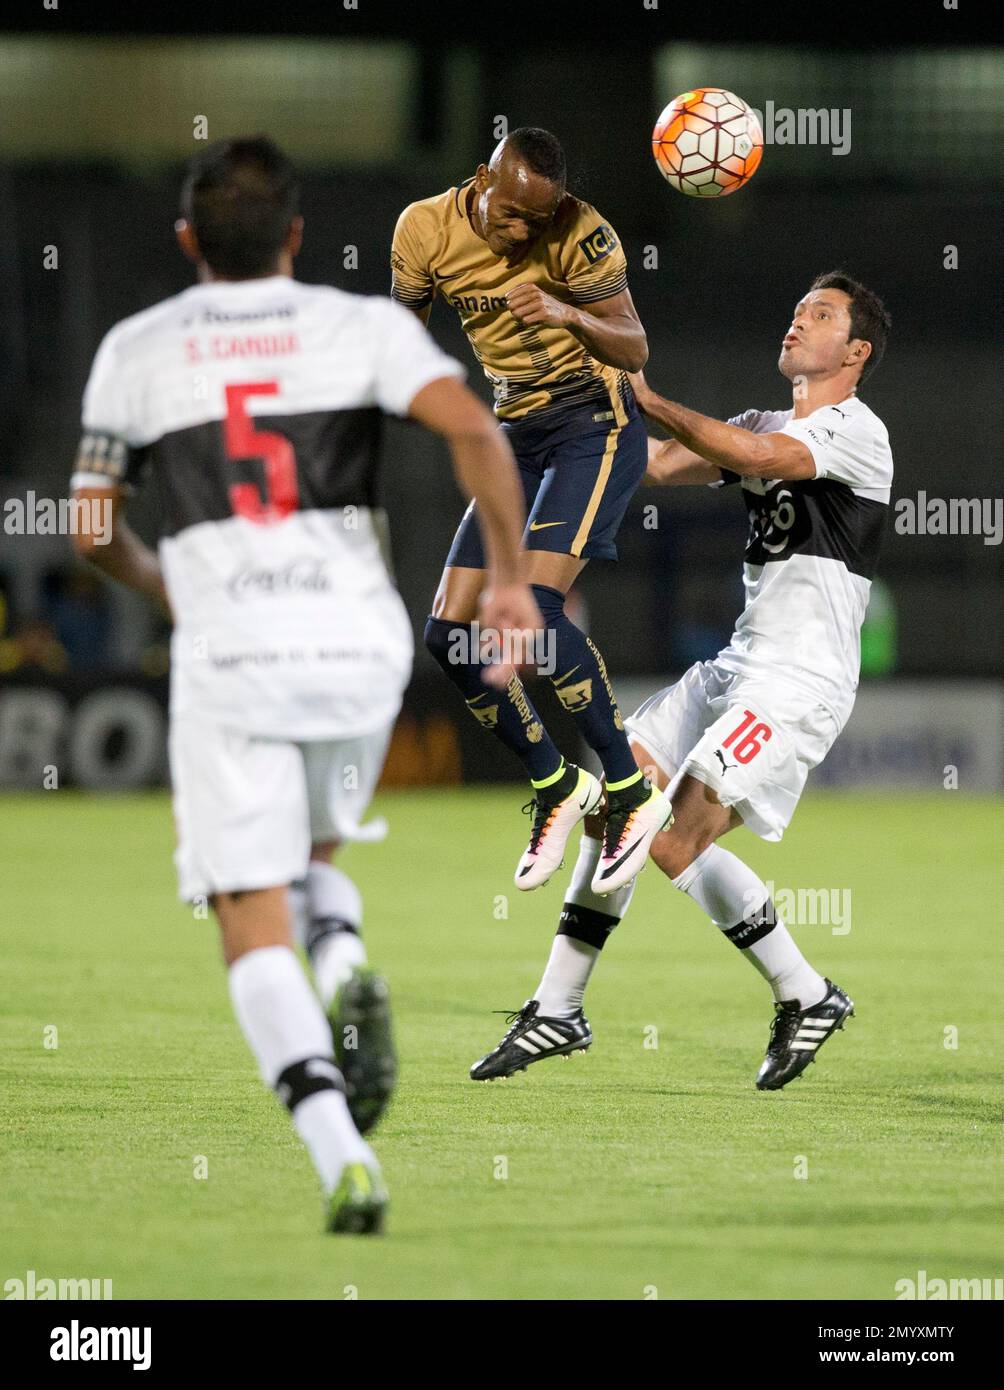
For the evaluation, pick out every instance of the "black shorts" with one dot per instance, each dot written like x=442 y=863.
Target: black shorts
x=580 y=469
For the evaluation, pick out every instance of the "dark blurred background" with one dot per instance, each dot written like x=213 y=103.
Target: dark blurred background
x=94 y=132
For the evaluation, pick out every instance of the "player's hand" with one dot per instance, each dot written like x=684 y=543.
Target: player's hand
x=529 y=305
x=510 y=624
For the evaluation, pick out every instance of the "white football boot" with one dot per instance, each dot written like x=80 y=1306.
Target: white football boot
x=554 y=819
x=627 y=837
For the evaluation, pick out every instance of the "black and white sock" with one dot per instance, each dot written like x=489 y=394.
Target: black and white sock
x=738 y=903
x=332 y=908
x=586 y=922
x=289 y=1035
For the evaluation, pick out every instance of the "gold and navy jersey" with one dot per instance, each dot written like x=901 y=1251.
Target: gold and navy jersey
x=578 y=260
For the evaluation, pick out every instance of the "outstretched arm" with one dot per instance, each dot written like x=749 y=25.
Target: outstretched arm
x=670 y=462
x=727 y=446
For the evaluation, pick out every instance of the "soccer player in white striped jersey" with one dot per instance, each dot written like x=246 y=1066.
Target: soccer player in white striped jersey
x=258 y=403
x=734 y=740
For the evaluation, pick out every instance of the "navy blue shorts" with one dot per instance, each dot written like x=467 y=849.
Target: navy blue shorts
x=579 y=470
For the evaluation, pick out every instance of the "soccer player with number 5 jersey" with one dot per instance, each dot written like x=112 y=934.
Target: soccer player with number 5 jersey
x=258 y=403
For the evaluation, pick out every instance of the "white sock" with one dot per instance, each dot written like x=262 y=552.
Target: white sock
x=560 y=992
x=734 y=898
x=571 y=961
x=332 y=896
x=283 y=1023
x=324 y=1124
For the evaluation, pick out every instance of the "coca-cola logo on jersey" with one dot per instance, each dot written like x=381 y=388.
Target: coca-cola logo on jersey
x=298 y=577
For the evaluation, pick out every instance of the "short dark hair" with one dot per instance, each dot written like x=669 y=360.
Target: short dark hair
x=870 y=319
x=240 y=196
x=540 y=151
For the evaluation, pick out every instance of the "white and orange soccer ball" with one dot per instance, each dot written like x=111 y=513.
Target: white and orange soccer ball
x=707 y=142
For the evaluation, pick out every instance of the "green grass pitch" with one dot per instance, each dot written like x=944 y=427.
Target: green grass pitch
x=636 y=1171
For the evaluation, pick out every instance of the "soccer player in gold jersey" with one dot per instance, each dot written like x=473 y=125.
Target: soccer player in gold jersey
x=539 y=280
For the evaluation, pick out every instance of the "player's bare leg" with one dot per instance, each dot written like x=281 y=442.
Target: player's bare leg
x=563 y=792
x=699 y=819
x=459 y=592
x=289 y=1035
x=251 y=921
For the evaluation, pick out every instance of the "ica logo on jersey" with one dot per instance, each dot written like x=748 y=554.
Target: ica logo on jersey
x=599 y=243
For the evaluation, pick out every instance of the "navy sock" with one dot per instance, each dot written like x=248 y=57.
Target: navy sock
x=584 y=688
x=507 y=713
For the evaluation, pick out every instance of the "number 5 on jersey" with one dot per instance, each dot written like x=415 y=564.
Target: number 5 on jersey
x=242 y=441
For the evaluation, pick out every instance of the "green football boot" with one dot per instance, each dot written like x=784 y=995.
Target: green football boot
x=359 y=1203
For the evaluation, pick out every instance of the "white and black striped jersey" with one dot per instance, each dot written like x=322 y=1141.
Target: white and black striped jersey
x=258 y=406
x=811 y=553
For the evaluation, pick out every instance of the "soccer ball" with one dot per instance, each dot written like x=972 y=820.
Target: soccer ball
x=707 y=143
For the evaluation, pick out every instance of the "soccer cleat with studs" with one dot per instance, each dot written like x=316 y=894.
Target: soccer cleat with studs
x=796 y=1035
x=364 y=1045
x=533 y=1037
x=634 y=818
x=554 y=818
x=358 y=1205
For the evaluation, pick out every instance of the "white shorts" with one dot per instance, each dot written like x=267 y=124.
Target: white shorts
x=247 y=809
x=752 y=742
